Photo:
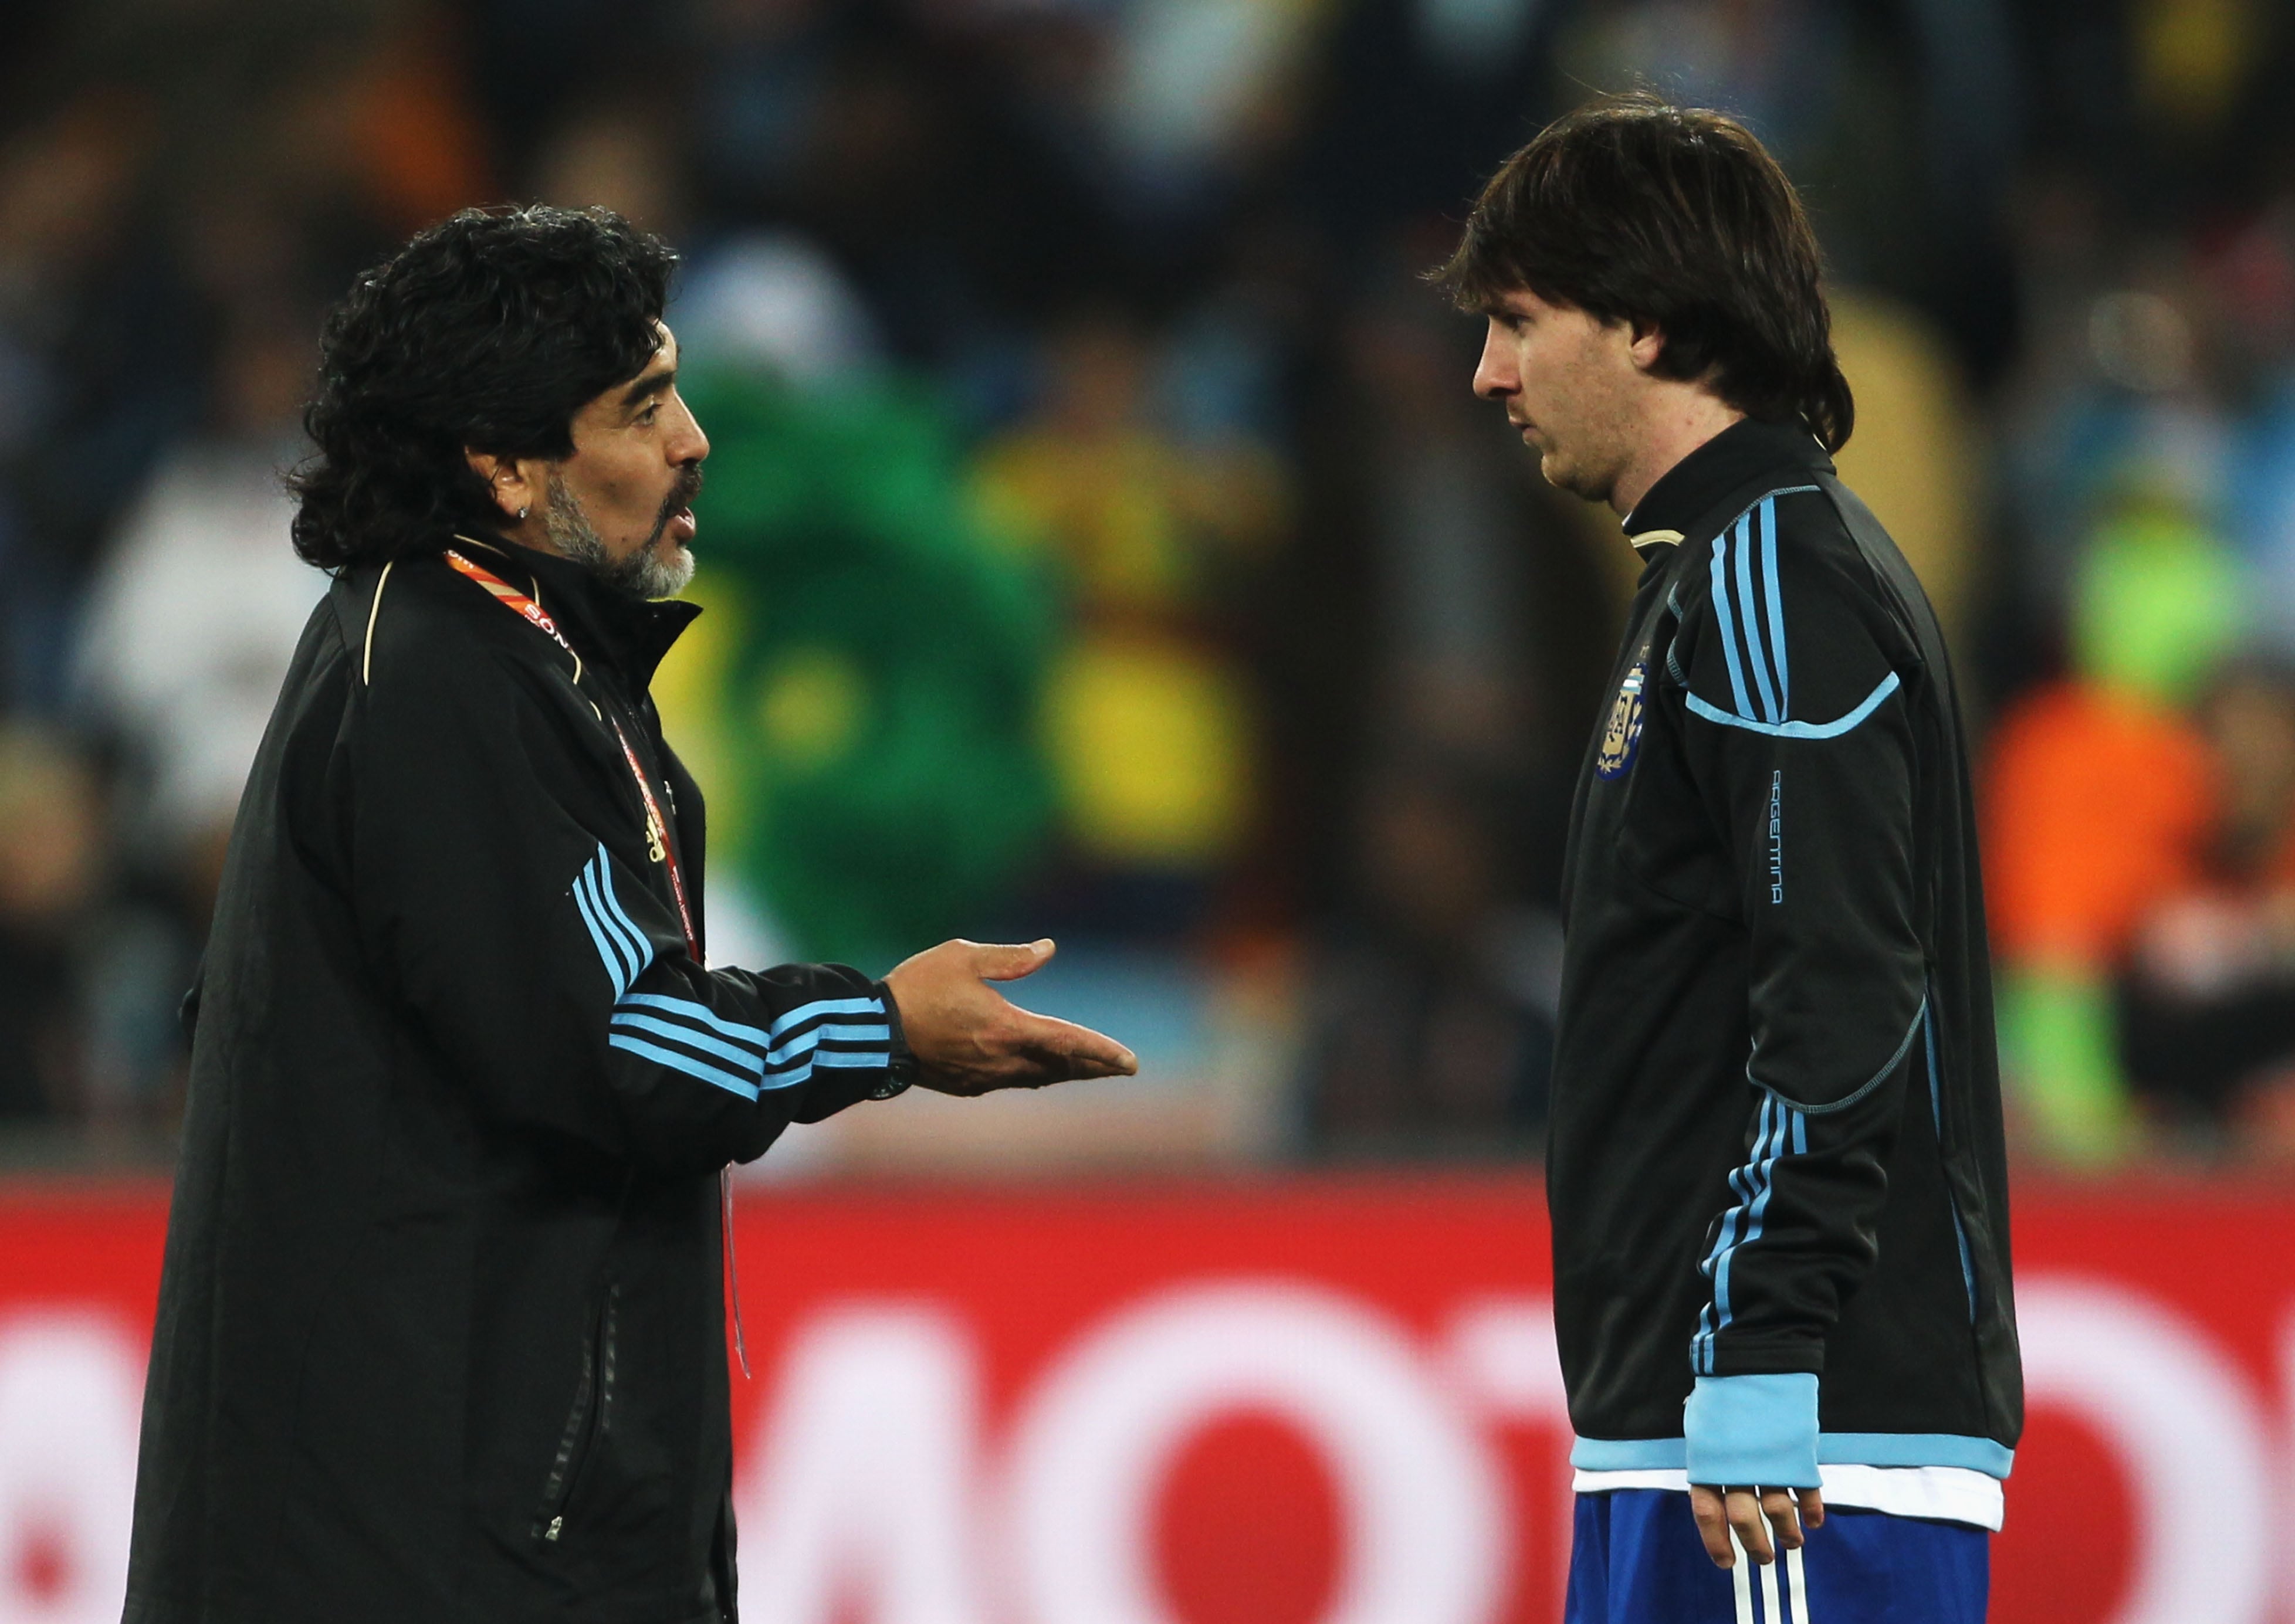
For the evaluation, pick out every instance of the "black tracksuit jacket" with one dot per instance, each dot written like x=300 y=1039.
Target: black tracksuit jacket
x=1775 y=1163
x=441 y=1330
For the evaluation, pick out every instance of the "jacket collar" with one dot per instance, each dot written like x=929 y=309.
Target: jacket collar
x=604 y=627
x=1739 y=455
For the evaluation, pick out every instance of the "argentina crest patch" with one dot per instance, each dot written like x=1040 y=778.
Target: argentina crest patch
x=1623 y=735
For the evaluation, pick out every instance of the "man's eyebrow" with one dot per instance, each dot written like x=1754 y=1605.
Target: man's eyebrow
x=651 y=383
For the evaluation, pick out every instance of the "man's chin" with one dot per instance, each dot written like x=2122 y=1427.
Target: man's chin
x=662 y=569
x=669 y=570
x=1564 y=475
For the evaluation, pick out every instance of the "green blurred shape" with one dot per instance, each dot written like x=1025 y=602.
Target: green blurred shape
x=863 y=694
x=2158 y=603
x=2059 y=1038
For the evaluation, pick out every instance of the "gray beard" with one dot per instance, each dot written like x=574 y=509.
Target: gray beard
x=641 y=578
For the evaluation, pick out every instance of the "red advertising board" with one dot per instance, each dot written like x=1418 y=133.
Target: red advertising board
x=1315 y=1401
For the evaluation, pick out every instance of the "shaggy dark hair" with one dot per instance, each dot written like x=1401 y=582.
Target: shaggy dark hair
x=487 y=333
x=1673 y=217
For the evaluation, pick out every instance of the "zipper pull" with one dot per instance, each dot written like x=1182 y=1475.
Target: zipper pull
x=556 y=1526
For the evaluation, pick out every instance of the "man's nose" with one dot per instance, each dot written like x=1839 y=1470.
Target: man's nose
x=1495 y=376
x=690 y=445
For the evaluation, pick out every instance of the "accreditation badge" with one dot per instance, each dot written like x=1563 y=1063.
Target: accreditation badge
x=1623 y=735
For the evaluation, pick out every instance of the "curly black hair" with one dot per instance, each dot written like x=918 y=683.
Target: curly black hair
x=485 y=333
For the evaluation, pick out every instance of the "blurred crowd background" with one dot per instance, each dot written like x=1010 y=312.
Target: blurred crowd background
x=1102 y=541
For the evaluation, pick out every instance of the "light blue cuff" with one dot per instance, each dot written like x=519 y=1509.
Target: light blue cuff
x=1756 y=1430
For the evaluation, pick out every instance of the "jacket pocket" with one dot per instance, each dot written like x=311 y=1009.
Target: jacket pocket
x=590 y=1416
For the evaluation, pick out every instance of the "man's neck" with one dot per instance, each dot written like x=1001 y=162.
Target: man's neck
x=1682 y=418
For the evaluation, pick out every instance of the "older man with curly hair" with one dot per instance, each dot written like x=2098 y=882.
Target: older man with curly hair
x=441 y=1330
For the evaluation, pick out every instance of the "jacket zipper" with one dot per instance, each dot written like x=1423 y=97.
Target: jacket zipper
x=590 y=1417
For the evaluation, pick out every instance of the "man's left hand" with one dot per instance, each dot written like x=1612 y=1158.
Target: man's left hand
x=1752 y=1514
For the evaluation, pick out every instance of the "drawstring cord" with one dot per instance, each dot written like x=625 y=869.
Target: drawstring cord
x=733 y=1272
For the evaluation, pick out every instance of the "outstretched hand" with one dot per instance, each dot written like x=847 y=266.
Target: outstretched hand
x=968 y=1038
x=1751 y=1513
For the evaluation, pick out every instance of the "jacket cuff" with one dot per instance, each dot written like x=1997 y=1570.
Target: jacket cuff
x=1753 y=1430
x=901 y=1067
x=828 y=1091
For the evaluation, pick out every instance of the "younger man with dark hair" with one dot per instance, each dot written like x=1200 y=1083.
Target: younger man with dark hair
x=1775 y=1163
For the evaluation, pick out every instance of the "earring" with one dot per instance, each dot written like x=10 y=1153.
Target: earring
x=521 y=514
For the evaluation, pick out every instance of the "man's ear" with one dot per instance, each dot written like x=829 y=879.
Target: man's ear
x=1646 y=344
x=514 y=485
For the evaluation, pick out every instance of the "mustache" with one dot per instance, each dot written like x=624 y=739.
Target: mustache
x=680 y=496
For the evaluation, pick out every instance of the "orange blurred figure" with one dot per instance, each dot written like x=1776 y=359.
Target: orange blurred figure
x=2099 y=802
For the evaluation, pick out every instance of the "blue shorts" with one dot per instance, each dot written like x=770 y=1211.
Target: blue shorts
x=1636 y=1558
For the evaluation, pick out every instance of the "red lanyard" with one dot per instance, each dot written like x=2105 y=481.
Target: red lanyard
x=658 y=841
x=657 y=826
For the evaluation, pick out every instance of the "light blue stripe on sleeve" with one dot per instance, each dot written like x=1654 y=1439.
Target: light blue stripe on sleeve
x=788 y=1079
x=1745 y=1193
x=692 y=1011
x=616 y=910
x=625 y=937
x=1799 y=730
x=1731 y=1221
x=834 y=1031
x=1740 y=1226
x=1776 y=605
x=1728 y=625
x=606 y=953
x=586 y=893
x=1751 y=1184
x=684 y=1063
x=1756 y=1217
x=829 y=1058
x=628 y=1021
x=827 y=1006
x=1752 y=616
x=1723 y=1240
